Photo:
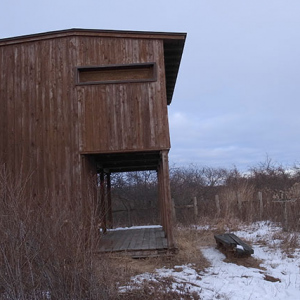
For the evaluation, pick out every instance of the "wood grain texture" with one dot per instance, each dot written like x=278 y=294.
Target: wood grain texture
x=39 y=115
x=123 y=117
x=50 y=125
x=165 y=200
x=134 y=240
x=47 y=121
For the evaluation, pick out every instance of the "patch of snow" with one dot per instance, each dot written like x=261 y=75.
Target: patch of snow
x=238 y=282
x=257 y=231
x=240 y=247
x=135 y=227
x=202 y=227
x=230 y=281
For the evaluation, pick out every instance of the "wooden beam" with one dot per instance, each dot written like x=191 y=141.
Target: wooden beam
x=165 y=198
x=160 y=198
x=231 y=242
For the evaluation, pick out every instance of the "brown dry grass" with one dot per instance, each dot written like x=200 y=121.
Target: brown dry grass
x=189 y=240
x=248 y=261
x=46 y=251
x=46 y=248
x=160 y=289
x=289 y=242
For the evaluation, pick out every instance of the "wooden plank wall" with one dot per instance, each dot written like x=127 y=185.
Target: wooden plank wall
x=123 y=117
x=39 y=115
x=46 y=120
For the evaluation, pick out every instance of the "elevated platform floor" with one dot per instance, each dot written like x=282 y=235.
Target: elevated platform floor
x=136 y=241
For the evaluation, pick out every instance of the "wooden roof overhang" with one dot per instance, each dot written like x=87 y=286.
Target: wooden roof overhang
x=173 y=46
x=127 y=162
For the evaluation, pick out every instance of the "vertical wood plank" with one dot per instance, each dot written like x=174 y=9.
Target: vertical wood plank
x=44 y=109
x=136 y=113
x=161 y=197
x=166 y=198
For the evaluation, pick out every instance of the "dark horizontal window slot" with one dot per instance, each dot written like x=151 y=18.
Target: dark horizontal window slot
x=117 y=73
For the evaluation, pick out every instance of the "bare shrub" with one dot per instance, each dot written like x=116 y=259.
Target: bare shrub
x=237 y=202
x=135 y=197
x=47 y=248
x=289 y=242
x=271 y=175
x=203 y=183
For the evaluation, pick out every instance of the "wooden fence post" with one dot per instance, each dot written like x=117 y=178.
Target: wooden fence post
x=239 y=200
x=217 y=200
x=285 y=216
x=284 y=202
x=173 y=210
x=195 y=207
x=261 y=205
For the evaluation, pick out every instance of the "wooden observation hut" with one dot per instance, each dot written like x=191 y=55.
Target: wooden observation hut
x=79 y=102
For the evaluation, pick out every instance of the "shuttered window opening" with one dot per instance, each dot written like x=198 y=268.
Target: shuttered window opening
x=116 y=74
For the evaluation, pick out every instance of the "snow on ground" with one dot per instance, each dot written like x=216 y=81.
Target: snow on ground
x=224 y=280
x=135 y=227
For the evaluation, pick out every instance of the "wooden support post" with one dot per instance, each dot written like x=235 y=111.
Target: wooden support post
x=161 y=198
x=284 y=202
x=165 y=197
x=217 y=200
x=195 y=202
x=102 y=203
x=261 y=205
x=109 y=206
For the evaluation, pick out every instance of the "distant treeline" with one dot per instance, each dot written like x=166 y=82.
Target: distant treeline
x=135 y=193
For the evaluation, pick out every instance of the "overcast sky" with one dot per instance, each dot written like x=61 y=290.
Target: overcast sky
x=238 y=90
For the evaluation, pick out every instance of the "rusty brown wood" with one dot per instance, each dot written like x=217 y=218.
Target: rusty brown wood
x=135 y=241
x=161 y=197
x=136 y=114
x=166 y=198
x=50 y=126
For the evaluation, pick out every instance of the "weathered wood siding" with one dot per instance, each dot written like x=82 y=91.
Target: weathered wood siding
x=39 y=115
x=124 y=116
x=47 y=120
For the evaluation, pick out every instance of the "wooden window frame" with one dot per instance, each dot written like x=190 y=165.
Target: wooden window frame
x=133 y=67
